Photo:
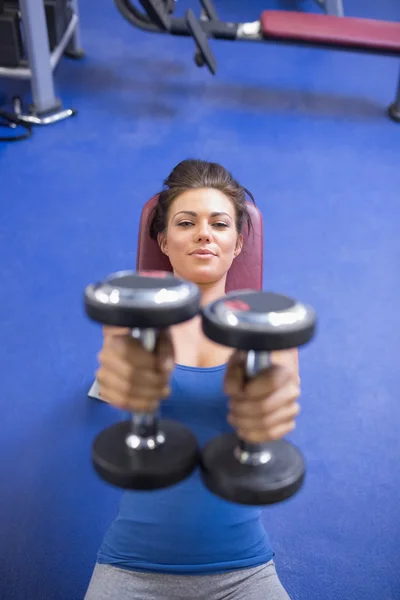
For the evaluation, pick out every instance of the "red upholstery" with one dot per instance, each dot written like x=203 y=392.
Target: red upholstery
x=365 y=34
x=246 y=271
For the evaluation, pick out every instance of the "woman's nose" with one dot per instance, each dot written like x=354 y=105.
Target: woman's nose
x=203 y=232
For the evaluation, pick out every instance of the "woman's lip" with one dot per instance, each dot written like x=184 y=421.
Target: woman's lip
x=203 y=253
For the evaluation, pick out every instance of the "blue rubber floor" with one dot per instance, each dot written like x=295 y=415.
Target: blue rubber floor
x=306 y=131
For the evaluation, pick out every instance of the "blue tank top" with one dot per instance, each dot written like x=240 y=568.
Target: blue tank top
x=185 y=528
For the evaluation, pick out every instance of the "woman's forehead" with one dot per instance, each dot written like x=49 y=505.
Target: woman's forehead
x=203 y=200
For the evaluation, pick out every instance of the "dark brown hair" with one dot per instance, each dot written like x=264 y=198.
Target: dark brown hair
x=193 y=174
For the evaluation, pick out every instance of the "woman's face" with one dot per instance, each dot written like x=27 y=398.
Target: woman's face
x=201 y=240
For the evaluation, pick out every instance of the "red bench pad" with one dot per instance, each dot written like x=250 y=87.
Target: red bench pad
x=325 y=29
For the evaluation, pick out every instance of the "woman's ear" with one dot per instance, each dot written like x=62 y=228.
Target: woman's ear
x=239 y=245
x=162 y=242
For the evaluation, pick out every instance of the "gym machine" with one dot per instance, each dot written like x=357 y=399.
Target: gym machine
x=34 y=35
x=143 y=453
x=275 y=26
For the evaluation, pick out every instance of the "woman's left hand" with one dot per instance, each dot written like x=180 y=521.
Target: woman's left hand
x=264 y=408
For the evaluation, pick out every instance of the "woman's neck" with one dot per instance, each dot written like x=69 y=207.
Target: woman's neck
x=211 y=292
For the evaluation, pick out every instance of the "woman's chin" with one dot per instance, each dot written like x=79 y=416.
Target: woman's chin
x=201 y=275
x=204 y=276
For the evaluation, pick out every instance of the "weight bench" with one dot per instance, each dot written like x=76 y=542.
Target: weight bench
x=306 y=29
x=349 y=34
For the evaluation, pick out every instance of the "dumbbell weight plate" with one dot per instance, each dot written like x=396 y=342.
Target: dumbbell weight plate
x=144 y=301
x=164 y=466
x=258 y=322
x=259 y=485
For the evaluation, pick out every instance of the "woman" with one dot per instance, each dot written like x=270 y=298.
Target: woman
x=184 y=542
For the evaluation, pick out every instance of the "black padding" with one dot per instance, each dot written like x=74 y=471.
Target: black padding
x=11 y=45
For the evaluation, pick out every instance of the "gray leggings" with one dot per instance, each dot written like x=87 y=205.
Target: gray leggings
x=258 y=583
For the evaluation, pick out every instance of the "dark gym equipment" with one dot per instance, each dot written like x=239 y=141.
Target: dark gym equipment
x=11 y=46
x=58 y=15
x=258 y=323
x=18 y=129
x=13 y=53
x=142 y=453
x=394 y=109
x=306 y=29
x=34 y=35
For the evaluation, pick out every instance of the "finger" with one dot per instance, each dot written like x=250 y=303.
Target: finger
x=270 y=421
x=287 y=358
x=267 y=381
x=129 y=351
x=126 y=387
x=118 y=400
x=255 y=436
x=111 y=330
x=164 y=351
x=281 y=430
x=127 y=371
x=115 y=363
x=234 y=374
x=242 y=407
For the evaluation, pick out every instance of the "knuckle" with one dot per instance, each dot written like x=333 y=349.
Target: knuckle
x=128 y=387
x=164 y=379
x=131 y=374
x=142 y=405
x=272 y=376
x=295 y=390
x=229 y=386
x=274 y=435
x=121 y=403
x=256 y=437
x=266 y=421
x=130 y=350
x=165 y=391
x=296 y=409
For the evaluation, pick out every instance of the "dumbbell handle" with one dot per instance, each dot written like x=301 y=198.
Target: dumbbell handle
x=145 y=433
x=247 y=453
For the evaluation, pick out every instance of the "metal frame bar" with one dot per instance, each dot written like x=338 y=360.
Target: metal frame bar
x=75 y=45
x=55 y=56
x=395 y=108
x=332 y=7
x=42 y=62
x=37 y=43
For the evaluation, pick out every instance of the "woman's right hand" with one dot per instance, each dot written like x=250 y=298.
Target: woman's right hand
x=130 y=377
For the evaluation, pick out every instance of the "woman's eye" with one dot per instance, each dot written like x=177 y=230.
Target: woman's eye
x=219 y=225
